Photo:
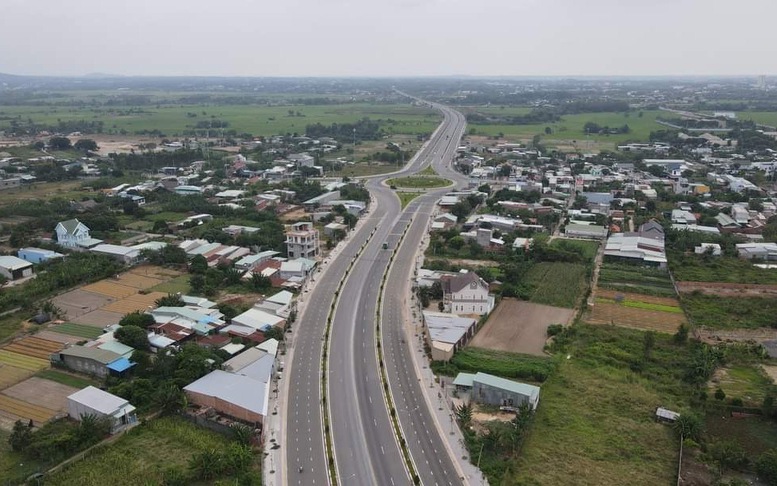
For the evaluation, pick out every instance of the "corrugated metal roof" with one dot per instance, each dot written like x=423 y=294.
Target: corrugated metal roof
x=508 y=385
x=99 y=400
x=97 y=354
x=242 y=391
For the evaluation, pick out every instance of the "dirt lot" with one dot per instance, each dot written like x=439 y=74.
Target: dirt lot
x=78 y=302
x=713 y=336
x=771 y=371
x=611 y=294
x=41 y=392
x=110 y=288
x=520 y=327
x=99 y=318
x=137 y=302
x=649 y=320
x=10 y=375
x=57 y=337
x=729 y=289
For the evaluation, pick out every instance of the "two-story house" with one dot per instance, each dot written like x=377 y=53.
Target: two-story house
x=466 y=293
x=73 y=233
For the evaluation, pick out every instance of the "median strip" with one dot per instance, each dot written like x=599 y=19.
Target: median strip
x=384 y=378
x=325 y=413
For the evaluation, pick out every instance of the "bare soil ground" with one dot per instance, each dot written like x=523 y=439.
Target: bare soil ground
x=137 y=302
x=771 y=372
x=520 y=327
x=10 y=375
x=110 y=288
x=42 y=393
x=611 y=294
x=15 y=409
x=649 y=320
x=57 y=337
x=99 y=318
x=78 y=302
x=729 y=289
x=138 y=281
x=472 y=263
x=155 y=272
x=715 y=336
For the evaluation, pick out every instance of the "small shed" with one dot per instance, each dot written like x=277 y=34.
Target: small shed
x=93 y=401
x=666 y=415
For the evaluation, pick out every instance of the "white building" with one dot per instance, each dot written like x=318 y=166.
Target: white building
x=99 y=403
x=466 y=293
x=14 y=268
x=72 y=233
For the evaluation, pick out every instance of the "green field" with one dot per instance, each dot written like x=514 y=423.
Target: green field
x=558 y=284
x=643 y=305
x=594 y=424
x=747 y=382
x=142 y=455
x=695 y=268
x=78 y=330
x=730 y=313
x=178 y=284
x=418 y=182
x=587 y=249
x=763 y=117
x=66 y=379
x=627 y=278
x=256 y=119
x=499 y=363
x=571 y=127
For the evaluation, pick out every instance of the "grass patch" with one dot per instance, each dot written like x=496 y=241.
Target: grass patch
x=406 y=197
x=587 y=249
x=142 y=455
x=499 y=363
x=10 y=325
x=756 y=435
x=558 y=284
x=730 y=313
x=749 y=383
x=428 y=171
x=418 y=182
x=77 y=330
x=595 y=421
x=694 y=268
x=178 y=284
x=642 y=305
x=66 y=379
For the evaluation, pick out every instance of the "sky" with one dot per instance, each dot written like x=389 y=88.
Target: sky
x=388 y=37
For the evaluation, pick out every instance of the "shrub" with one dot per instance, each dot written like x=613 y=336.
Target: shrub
x=555 y=329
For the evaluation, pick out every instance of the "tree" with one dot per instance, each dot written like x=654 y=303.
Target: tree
x=232 y=276
x=350 y=220
x=457 y=242
x=133 y=336
x=207 y=464
x=260 y=282
x=92 y=429
x=139 y=319
x=728 y=455
x=274 y=333
x=688 y=426
x=21 y=436
x=441 y=306
x=86 y=145
x=170 y=300
x=648 y=343
x=720 y=394
x=464 y=415
x=766 y=465
x=198 y=265
x=170 y=399
x=681 y=337
x=197 y=283
x=59 y=143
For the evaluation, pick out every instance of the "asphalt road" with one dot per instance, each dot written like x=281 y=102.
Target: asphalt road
x=366 y=451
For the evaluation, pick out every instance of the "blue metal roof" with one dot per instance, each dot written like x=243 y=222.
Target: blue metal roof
x=121 y=364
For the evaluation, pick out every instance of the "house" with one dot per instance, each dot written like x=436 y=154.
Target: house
x=466 y=293
x=258 y=320
x=683 y=217
x=126 y=255
x=332 y=228
x=645 y=246
x=585 y=231
x=99 y=403
x=297 y=269
x=447 y=333
x=73 y=233
x=492 y=390
x=37 y=255
x=14 y=268
x=443 y=222
x=708 y=248
x=764 y=251
x=187 y=190
x=302 y=241
x=91 y=361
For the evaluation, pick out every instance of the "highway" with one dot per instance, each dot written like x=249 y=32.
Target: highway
x=365 y=447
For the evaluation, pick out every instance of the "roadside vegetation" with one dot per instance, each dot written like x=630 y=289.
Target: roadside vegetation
x=418 y=182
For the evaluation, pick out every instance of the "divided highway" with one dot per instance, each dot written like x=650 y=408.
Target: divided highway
x=365 y=447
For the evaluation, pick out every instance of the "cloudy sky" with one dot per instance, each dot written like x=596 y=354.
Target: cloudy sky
x=388 y=37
